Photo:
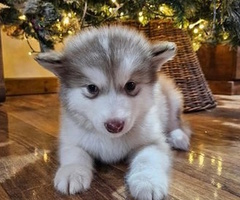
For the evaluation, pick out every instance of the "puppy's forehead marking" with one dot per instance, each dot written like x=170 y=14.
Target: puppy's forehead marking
x=96 y=76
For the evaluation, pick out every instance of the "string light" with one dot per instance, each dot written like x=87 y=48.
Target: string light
x=22 y=17
x=70 y=32
x=196 y=23
x=140 y=18
x=166 y=10
x=196 y=45
x=201 y=26
x=65 y=20
x=58 y=25
x=195 y=30
x=225 y=35
x=111 y=10
x=191 y=26
x=29 y=53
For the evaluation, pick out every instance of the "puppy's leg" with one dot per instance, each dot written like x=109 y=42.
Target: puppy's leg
x=76 y=166
x=178 y=131
x=148 y=175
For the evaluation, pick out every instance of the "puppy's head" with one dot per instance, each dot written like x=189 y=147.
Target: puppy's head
x=107 y=76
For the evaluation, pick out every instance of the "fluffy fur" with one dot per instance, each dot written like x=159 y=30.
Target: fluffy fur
x=114 y=105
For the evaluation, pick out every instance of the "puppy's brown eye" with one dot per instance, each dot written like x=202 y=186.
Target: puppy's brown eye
x=130 y=88
x=93 y=89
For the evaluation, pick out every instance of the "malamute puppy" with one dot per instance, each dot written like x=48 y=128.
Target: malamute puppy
x=114 y=105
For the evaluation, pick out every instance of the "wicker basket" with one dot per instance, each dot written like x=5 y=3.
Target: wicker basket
x=184 y=68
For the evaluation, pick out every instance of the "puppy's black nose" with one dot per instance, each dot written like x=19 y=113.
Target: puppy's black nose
x=114 y=126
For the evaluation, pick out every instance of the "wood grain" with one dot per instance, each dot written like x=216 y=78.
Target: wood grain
x=220 y=62
x=2 y=84
x=24 y=86
x=221 y=67
x=28 y=154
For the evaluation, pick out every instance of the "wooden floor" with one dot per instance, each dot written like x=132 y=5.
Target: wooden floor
x=28 y=161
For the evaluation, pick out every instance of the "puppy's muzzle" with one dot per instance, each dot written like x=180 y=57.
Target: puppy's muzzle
x=114 y=126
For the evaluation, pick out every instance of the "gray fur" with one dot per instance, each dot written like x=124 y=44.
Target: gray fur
x=87 y=50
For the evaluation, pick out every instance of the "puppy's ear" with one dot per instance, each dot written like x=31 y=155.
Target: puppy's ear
x=52 y=60
x=162 y=52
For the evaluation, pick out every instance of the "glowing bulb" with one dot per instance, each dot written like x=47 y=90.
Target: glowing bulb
x=58 y=26
x=196 y=46
x=140 y=14
x=141 y=18
x=70 y=32
x=29 y=53
x=110 y=10
x=66 y=20
x=22 y=17
x=122 y=13
x=70 y=15
x=201 y=26
x=114 y=1
x=195 y=30
x=163 y=8
x=225 y=35
x=166 y=9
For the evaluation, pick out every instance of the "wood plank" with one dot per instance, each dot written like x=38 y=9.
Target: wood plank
x=4 y=125
x=225 y=87
x=196 y=189
x=220 y=62
x=2 y=84
x=39 y=111
x=20 y=86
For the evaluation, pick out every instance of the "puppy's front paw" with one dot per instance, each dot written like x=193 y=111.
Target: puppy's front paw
x=148 y=186
x=71 y=179
x=179 y=140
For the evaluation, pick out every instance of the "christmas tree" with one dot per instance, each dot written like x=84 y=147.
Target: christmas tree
x=212 y=21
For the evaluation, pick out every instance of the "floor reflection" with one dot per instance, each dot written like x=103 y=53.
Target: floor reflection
x=12 y=164
x=217 y=163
